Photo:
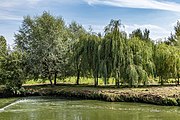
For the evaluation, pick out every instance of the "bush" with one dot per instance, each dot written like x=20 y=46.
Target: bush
x=170 y=101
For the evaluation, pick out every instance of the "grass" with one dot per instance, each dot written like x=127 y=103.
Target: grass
x=90 y=82
x=6 y=101
x=72 y=80
x=161 y=95
x=154 y=95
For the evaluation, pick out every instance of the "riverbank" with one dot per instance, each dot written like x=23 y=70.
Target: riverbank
x=153 y=95
x=169 y=95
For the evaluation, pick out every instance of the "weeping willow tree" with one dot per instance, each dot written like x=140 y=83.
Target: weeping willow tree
x=174 y=40
x=106 y=64
x=78 y=35
x=86 y=57
x=178 y=65
x=140 y=64
x=167 y=61
x=93 y=56
x=175 y=65
x=118 y=43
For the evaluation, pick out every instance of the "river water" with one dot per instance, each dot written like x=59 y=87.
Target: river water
x=38 y=108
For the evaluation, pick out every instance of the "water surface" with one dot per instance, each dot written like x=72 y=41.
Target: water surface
x=38 y=108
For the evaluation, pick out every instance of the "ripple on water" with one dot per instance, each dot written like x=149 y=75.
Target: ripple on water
x=38 y=104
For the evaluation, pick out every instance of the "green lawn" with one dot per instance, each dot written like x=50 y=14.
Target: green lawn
x=72 y=80
x=6 y=101
x=90 y=81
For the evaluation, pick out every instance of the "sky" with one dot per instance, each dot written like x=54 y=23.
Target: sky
x=159 y=16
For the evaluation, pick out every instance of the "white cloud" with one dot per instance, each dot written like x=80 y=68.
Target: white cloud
x=33 y=1
x=156 y=32
x=8 y=16
x=11 y=10
x=8 y=4
x=148 y=26
x=28 y=3
x=146 y=4
x=95 y=28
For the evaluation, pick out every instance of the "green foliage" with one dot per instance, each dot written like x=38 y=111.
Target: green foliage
x=44 y=40
x=142 y=59
x=141 y=35
x=117 y=49
x=11 y=66
x=3 y=45
x=174 y=39
x=3 y=53
x=47 y=49
x=167 y=61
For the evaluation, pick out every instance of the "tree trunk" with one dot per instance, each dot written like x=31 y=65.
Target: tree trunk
x=118 y=85
x=162 y=82
x=117 y=79
x=78 y=76
x=105 y=80
x=144 y=83
x=178 y=79
x=55 y=80
x=130 y=84
x=95 y=82
x=49 y=77
x=105 y=74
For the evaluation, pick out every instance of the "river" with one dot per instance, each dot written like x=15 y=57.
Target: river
x=38 y=108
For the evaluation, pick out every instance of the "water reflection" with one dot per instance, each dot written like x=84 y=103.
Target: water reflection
x=62 y=109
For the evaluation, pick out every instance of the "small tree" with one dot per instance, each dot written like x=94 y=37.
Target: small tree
x=11 y=68
x=3 y=55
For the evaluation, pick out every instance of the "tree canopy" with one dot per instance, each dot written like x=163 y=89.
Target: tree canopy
x=47 y=48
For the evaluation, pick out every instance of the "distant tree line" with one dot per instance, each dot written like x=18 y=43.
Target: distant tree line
x=47 y=48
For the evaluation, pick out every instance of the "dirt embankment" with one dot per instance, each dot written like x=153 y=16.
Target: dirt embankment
x=153 y=95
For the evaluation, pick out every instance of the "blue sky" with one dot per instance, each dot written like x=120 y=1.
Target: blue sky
x=157 y=15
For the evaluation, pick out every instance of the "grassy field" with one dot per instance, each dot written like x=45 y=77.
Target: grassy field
x=71 y=80
x=90 y=81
